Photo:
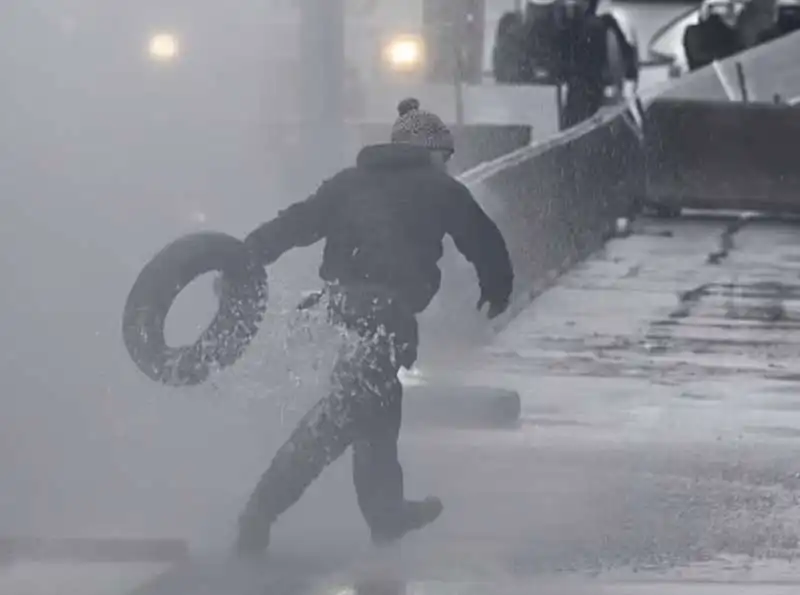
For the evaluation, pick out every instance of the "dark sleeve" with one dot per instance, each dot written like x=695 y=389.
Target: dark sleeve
x=302 y=224
x=480 y=241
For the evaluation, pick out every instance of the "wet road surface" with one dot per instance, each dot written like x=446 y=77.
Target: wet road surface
x=659 y=438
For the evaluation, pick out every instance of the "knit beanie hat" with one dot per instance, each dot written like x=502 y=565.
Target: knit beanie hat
x=419 y=127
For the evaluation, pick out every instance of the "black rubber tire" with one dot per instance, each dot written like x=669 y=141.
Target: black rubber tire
x=223 y=342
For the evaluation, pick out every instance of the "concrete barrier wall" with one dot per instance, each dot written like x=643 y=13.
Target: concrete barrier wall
x=705 y=154
x=718 y=139
x=558 y=205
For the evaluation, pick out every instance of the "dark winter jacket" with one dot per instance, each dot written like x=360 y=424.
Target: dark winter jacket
x=383 y=222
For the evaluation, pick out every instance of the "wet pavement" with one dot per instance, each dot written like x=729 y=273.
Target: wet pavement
x=660 y=405
x=683 y=318
x=658 y=443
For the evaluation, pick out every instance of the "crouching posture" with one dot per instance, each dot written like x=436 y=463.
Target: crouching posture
x=383 y=222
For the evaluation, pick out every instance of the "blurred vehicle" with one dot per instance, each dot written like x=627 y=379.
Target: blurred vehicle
x=697 y=37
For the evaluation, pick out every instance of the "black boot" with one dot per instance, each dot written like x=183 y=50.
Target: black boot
x=416 y=514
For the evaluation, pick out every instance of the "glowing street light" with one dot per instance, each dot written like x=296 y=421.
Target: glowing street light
x=163 y=47
x=405 y=53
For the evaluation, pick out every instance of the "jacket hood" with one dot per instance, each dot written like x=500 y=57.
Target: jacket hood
x=393 y=156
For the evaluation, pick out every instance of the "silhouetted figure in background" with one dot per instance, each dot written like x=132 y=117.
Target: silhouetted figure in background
x=629 y=51
x=541 y=44
x=508 y=55
x=582 y=46
x=562 y=43
x=709 y=40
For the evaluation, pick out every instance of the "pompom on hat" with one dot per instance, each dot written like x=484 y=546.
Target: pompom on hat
x=419 y=127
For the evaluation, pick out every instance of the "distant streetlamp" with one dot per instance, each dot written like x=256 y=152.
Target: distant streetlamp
x=405 y=53
x=163 y=47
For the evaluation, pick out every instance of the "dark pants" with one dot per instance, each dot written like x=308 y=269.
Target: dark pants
x=584 y=99
x=363 y=409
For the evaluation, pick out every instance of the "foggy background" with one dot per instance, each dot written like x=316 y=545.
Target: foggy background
x=106 y=156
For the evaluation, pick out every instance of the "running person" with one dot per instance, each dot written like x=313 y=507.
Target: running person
x=383 y=222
